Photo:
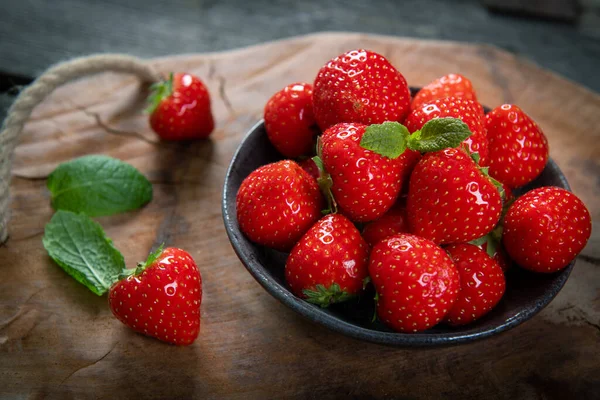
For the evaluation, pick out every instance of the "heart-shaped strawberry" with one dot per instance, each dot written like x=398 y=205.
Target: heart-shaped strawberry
x=450 y=200
x=161 y=298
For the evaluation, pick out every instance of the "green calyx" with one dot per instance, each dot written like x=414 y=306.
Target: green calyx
x=159 y=91
x=325 y=182
x=391 y=139
x=141 y=266
x=493 y=241
x=323 y=296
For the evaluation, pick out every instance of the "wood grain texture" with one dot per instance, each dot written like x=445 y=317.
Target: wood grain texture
x=58 y=340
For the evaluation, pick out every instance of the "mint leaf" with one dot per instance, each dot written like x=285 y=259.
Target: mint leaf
x=98 y=185
x=80 y=247
x=387 y=139
x=438 y=134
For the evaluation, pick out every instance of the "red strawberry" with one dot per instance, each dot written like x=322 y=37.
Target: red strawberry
x=450 y=200
x=277 y=204
x=389 y=224
x=180 y=108
x=482 y=284
x=518 y=149
x=309 y=166
x=546 y=228
x=365 y=184
x=359 y=86
x=161 y=298
x=289 y=120
x=329 y=264
x=468 y=111
x=454 y=85
x=416 y=282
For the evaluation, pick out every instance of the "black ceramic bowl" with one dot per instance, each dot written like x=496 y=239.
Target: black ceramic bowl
x=526 y=292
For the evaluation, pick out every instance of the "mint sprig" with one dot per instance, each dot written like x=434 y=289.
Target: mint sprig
x=391 y=139
x=98 y=185
x=80 y=247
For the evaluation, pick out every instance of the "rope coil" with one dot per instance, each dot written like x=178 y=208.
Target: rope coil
x=34 y=94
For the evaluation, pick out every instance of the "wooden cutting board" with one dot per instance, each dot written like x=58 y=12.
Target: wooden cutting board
x=59 y=340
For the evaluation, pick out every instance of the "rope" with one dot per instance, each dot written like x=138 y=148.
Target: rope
x=35 y=93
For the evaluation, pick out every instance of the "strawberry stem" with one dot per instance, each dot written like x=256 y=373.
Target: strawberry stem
x=142 y=265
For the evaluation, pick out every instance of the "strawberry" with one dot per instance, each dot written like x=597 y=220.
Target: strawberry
x=391 y=223
x=450 y=200
x=329 y=264
x=454 y=85
x=546 y=228
x=309 y=166
x=289 y=120
x=359 y=86
x=365 y=183
x=482 y=284
x=180 y=108
x=416 y=282
x=277 y=204
x=469 y=111
x=161 y=297
x=518 y=149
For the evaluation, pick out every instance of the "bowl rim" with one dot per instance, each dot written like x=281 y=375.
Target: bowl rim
x=332 y=322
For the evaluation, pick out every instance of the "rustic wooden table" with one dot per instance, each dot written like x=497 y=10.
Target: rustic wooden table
x=58 y=340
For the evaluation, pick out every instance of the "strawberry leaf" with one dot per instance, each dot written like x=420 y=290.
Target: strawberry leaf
x=438 y=134
x=479 y=241
x=474 y=156
x=387 y=139
x=323 y=296
x=325 y=183
x=159 y=91
x=80 y=247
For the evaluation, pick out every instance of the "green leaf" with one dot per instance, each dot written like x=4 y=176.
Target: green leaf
x=438 y=134
x=323 y=296
x=98 y=185
x=319 y=163
x=479 y=241
x=474 y=156
x=492 y=243
x=159 y=91
x=387 y=139
x=80 y=247
x=153 y=256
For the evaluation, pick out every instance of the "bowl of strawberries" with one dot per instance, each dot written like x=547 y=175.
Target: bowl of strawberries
x=406 y=217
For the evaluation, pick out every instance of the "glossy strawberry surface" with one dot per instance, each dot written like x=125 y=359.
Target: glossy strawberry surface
x=277 y=203
x=185 y=113
x=417 y=283
x=546 y=228
x=391 y=223
x=331 y=253
x=454 y=85
x=518 y=149
x=164 y=300
x=482 y=283
x=365 y=184
x=359 y=86
x=469 y=111
x=289 y=120
x=450 y=200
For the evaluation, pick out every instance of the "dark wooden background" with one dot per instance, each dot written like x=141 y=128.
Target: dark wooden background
x=57 y=340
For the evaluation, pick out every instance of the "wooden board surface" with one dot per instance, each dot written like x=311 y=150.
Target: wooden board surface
x=58 y=340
